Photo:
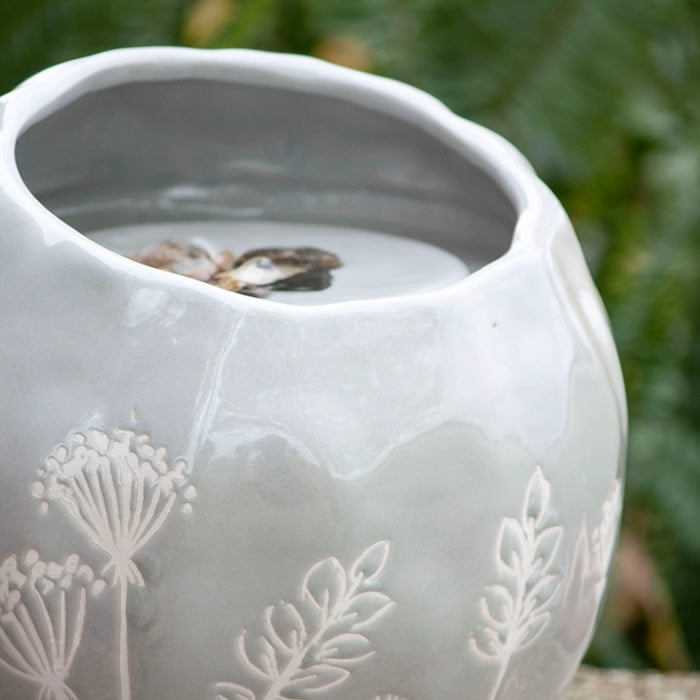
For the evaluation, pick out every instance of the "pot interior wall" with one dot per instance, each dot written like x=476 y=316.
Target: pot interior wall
x=198 y=149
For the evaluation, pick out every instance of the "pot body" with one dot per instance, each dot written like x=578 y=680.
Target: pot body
x=210 y=496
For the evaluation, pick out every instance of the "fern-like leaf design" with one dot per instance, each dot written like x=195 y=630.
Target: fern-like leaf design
x=604 y=536
x=306 y=647
x=586 y=584
x=516 y=609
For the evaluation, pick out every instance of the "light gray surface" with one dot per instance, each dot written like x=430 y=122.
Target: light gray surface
x=416 y=428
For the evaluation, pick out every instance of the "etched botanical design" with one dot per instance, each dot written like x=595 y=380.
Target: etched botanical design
x=388 y=697
x=589 y=571
x=42 y=613
x=516 y=609
x=604 y=536
x=306 y=646
x=118 y=491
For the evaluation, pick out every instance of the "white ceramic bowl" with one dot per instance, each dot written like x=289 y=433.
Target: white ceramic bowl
x=209 y=495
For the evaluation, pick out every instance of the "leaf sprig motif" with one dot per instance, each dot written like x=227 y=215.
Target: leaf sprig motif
x=604 y=536
x=517 y=608
x=306 y=647
x=589 y=571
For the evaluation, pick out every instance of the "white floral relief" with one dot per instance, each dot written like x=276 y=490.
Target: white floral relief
x=589 y=571
x=306 y=647
x=118 y=491
x=516 y=609
x=42 y=614
x=388 y=697
x=604 y=536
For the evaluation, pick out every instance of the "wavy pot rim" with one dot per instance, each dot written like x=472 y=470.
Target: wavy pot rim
x=55 y=87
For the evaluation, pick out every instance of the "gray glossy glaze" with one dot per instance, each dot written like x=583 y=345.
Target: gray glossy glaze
x=396 y=441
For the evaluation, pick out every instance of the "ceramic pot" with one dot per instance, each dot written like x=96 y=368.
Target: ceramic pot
x=209 y=495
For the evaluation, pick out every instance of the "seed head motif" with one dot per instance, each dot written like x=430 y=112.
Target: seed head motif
x=118 y=491
x=42 y=612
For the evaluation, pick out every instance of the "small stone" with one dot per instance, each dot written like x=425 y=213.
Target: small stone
x=306 y=257
x=255 y=273
x=260 y=271
x=257 y=292
x=227 y=281
x=224 y=260
x=182 y=258
x=308 y=281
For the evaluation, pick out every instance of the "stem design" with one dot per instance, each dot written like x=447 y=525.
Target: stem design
x=307 y=649
x=517 y=609
x=297 y=660
x=123 y=641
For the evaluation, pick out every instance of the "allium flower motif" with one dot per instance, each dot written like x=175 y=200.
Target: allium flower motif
x=42 y=612
x=118 y=491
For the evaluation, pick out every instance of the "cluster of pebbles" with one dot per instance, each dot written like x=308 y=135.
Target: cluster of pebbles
x=255 y=273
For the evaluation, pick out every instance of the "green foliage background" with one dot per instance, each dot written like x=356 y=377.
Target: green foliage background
x=603 y=98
